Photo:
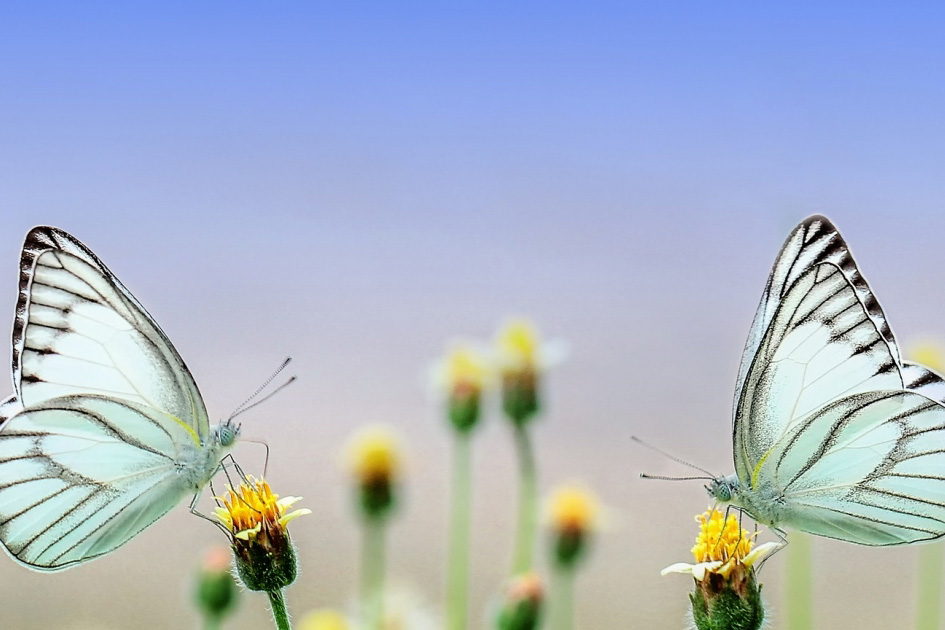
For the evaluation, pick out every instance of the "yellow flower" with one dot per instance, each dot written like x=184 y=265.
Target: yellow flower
x=374 y=459
x=520 y=348
x=461 y=376
x=256 y=519
x=325 y=619
x=573 y=508
x=572 y=515
x=253 y=512
x=373 y=454
x=463 y=371
x=721 y=547
x=522 y=357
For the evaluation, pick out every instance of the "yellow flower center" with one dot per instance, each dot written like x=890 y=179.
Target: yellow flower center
x=373 y=455
x=465 y=369
x=518 y=343
x=252 y=507
x=721 y=538
x=573 y=509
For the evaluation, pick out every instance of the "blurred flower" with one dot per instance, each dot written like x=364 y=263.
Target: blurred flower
x=325 y=619
x=522 y=358
x=522 y=605
x=216 y=589
x=930 y=354
x=375 y=461
x=256 y=519
x=462 y=375
x=727 y=593
x=406 y=609
x=573 y=515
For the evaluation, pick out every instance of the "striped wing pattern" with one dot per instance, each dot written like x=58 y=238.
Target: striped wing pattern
x=839 y=436
x=813 y=242
x=75 y=483
x=106 y=430
x=869 y=473
x=78 y=330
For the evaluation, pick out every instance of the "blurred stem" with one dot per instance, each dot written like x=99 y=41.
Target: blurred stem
x=458 y=585
x=799 y=614
x=928 y=614
x=527 y=503
x=279 y=612
x=562 y=599
x=372 y=573
x=211 y=622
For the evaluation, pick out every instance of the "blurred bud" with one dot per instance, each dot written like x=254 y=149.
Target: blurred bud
x=216 y=589
x=375 y=462
x=522 y=360
x=521 y=609
x=461 y=376
x=572 y=518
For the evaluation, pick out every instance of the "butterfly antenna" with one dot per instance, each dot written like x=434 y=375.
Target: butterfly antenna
x=243 y=409
x=672 y=457
x=662 y=478
x=245 y=405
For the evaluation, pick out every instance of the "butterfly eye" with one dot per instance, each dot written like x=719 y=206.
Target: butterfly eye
x=719 y=490
x=228 y=434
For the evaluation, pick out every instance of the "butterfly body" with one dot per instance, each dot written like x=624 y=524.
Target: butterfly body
x=833 y=433
x=106 y=430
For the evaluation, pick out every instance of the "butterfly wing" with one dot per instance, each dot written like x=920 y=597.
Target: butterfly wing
x=81 y=475
x=79 y=330
x=827 y=416
x=862 y=470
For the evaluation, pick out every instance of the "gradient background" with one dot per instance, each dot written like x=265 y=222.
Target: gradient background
x=355 y=186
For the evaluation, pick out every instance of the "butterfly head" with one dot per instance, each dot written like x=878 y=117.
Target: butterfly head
x=723 y=489
x=227 y=432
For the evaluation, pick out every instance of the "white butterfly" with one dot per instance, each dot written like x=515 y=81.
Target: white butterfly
x=834 y=434
x=107 y=430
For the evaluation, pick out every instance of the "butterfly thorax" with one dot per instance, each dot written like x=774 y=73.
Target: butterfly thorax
x=206 y=460
x=762 y=504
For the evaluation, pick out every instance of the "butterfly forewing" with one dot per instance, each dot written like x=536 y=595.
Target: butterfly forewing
x=821 y=345
x=79 y=330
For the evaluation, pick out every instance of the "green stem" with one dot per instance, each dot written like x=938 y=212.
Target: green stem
x=458 y=581
x=799 y=615
x=279 y=612
x=527 y=503
x=372 y=574
x=211 y=622
x=562 y=599
x=928 y=614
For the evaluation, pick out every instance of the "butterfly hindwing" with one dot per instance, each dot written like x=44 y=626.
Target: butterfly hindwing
x=81 y=475
x=861 y=469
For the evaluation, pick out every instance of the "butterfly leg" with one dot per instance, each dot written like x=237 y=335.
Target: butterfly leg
x=196 y=512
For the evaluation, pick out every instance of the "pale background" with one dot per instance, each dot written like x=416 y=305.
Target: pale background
x=354 y=187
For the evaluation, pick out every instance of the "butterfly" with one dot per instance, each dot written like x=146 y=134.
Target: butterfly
x=834 y=433
x=106 y=430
